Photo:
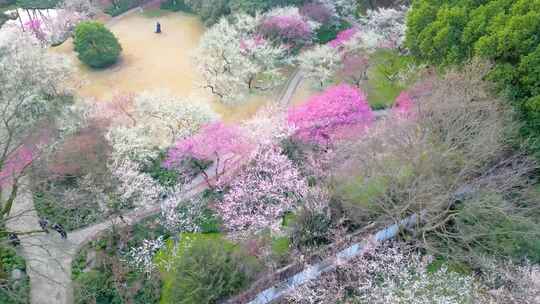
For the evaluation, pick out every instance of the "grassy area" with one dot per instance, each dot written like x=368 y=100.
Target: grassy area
x=388 y=77
x=204 y=268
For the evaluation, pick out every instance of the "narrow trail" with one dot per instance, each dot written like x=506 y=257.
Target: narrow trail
x=284 y=98
x=49 y=258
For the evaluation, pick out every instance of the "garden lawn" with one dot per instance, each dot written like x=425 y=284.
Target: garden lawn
x=385 y=81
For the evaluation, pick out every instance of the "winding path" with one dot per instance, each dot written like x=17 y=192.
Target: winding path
x=49 y=258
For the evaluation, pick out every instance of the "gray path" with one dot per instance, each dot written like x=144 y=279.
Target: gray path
x=48 y=257
x=290 y=88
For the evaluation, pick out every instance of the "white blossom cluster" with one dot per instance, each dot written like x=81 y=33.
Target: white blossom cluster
x=387 y=22
x=234 y=61
x=511 y=283
x=142 y=257
x=388 y=276
x=158 y=120
x=268 y=126
x=133 y=187
x=179 y=215
x=320 y=64
x=343 y=8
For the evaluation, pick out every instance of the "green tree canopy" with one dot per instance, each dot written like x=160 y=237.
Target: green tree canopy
x=96 y=45
x=447 y=32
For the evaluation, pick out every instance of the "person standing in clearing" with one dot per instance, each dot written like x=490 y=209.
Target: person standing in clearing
x=158 y=28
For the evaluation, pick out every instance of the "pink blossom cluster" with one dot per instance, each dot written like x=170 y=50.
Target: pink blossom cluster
x=291 y=29
x=252 y=43
x=20 y=159
x=340 y=112
x=343 y=37
x=355 y=67
x=263 y=191
x=318 y=12
x=16 y=164
x=214 y=141
x=35 y=27
x=403 y=107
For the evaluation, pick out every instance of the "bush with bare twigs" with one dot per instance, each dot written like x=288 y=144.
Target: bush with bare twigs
x=452 y=163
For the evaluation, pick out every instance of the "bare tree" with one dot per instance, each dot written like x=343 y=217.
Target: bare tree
x=451 y=161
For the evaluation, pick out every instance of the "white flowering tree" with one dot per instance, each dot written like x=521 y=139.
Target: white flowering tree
x=266 y=188
x=32 y=87
x=387 y=22
x=320 y=64
x=346 y=56
x=156 y=120
x=343 y=8
x=142 y=257
x=134 y=188
x=235 y=61
x=268 y=126
x=88 y=8
x=181 y=215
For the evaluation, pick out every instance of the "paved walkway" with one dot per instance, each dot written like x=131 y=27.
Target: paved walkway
x=290 y=88
x=48 y=257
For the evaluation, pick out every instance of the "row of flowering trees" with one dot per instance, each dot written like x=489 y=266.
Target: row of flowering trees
x=247 y=53
x=347 y=56
x=267 y=183
x=258 y=180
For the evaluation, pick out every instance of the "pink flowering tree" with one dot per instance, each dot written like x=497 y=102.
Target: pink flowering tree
x=215 y=142
x=35 y=27
x=263 y=191
x=15 y=165
x=343 y=37
x=339 y=112
x=287 y=26
x=322 y=13
x=403 y=107
x=354 y=68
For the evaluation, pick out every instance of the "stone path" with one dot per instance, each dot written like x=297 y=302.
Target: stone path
x=290 y=88
x=48 y=257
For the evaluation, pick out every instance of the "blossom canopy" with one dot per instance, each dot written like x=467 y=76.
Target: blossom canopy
x=213 y=141
x=340 y=112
